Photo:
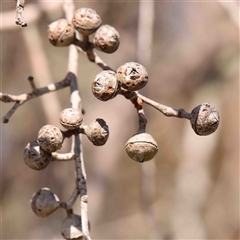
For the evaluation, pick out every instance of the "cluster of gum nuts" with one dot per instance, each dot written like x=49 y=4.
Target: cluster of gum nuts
x=129 y=77
x=107 y=84
x=85 y=21
x=39 y=153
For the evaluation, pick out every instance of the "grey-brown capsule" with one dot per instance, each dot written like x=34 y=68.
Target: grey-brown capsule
x=86 y=21
x=35 y=157
x=70 y=118
x=106 y=39
x=44 y=202
x=141 y=147
x=61 y=33
x=97 y=132
x=105 y=85
x=50 y=138
x=204 y=119
x=72 y=227
x=132 y=76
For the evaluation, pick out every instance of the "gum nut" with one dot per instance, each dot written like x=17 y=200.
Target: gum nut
x=70 y=118
x=204 y=119
x=44 y=202
x=132 y=76
x=35 y=157
x=50 y=138
x=106 y=39
x=141 y=147
x=86 y=21
x=61 y=33
x=105 y=85
x=97 y=132
x=72 y=227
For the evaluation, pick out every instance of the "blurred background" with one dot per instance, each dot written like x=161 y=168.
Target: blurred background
x=191 y=188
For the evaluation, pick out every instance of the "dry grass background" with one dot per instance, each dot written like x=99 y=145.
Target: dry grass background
x=193 y=181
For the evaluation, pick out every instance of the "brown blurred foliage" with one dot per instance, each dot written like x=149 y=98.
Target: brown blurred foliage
x=194 y=181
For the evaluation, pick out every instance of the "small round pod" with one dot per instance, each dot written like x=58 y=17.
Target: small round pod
x=204 y=119
x=50 y=138
x=132 y=76
x=86 y=21
x=44 y=202
x=141 y=147
x=106 y=39
x=61 y=33
x=70 y=118
x=72 y=227
x=105 y=85
x=97 y=132
x=35 y=157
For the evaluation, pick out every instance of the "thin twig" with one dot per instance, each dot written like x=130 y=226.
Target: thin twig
x=32 y=84
x=167 y=111
x=20 y=13
x=63 y=156
x=21 y=99
x=70 y=202
x=76 y=144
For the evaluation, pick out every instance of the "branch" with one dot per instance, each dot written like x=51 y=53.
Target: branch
x=87 y=48
x=20 y=13
x=62 y=156
x=21 y=99
x=69 y=204
x=76 y=144
x=167 y=111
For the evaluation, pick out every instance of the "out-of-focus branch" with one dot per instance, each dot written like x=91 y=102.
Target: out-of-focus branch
x=143 y=55
x=193 y=183
x=37 y=57
x=232 y=9
x=32 y=14
x=20 y=13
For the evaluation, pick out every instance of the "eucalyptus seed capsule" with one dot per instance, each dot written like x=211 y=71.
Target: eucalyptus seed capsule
x=72 y=227
x=86 y=21
x=70 y=118
x=141 y=147
x=106 y=39
x=50 y=138
x=61 y=33
x=44 y=202
x=132 y=76
x=105 y=85
x=204 y=119
x=35 y=157
x=97 y=132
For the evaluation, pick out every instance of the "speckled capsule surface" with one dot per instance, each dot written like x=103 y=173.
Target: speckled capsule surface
x=86 y=21
x=105 y=85
x=204 y=119
x=70 y=118
x=132 y=76
x=35 y=157
x=44 y=202
x=141 y=147
x=97 y=132
x=61 y=33
x=106 y=39
x=50 y=138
